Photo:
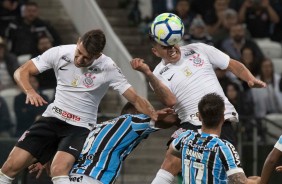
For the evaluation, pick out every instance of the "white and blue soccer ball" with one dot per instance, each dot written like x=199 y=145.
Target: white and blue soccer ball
x=167 y=29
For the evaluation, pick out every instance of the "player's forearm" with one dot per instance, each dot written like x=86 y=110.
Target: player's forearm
x=268 y=168
x=142 y=105
x=163 y=93
x=22 y=79
x=240 y=70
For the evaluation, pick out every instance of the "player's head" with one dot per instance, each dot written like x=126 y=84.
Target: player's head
x=89 y=47
x=211 y=110
x=129 y=108
x=171 y=54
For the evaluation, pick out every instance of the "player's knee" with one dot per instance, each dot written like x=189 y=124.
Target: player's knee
x=59 y=169
x=10 y=169
x=172 y=164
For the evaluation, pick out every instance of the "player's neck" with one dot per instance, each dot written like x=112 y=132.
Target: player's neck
x=211 y=131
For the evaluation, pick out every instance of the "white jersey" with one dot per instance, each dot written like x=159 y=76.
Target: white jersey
x=79 y=90
x=278 y=144
x=192 y=77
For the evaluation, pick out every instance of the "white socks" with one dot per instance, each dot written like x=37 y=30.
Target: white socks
x=61 y=180
x=163 y=177
x=4 y=179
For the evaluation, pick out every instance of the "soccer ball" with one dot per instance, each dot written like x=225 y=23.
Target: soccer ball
x=167 y=29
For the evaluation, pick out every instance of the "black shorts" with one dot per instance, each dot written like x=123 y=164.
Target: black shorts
x=48 y=135
x=227 y=131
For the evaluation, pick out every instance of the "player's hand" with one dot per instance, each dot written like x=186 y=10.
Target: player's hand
x=278 y=168
x=37 y=167
x=163 y=113
x=256 y=83
x=139 y=65
x=33 y=98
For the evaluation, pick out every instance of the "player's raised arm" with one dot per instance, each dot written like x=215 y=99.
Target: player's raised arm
x=22 y=75
x=163 y=93
x=243 y=73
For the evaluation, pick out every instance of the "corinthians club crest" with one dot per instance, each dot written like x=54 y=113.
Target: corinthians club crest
x=89 y=80
x=197 y=60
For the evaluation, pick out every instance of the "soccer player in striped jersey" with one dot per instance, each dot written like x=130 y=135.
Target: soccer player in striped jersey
x=206 y=158
x=270 y=162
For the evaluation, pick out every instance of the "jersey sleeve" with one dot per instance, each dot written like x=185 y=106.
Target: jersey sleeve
x=216 y=57
x=278 y=144
x=46 y=60
x=230 y=159
x=142 y=122
x=177 y=143
x=117 y=80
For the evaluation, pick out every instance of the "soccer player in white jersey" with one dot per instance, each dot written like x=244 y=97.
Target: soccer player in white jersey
x=271 y=161
x=184 y=75
x=205 y=157
x=83 y=75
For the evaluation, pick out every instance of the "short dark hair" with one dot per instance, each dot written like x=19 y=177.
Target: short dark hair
x=93 y=41
x=129 y=108
x=211 y=109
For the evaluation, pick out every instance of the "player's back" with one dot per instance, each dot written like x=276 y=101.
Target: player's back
x=207 y=158
x=109 y=144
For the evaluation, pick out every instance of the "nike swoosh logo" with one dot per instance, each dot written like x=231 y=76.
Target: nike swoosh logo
x=170 y=77
x=72 y=148
x=61 y=68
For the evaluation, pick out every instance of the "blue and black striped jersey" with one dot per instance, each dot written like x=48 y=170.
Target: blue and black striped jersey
x=206 y=159
x=108 y=145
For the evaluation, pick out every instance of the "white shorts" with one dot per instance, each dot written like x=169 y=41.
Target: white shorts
x=83 y=179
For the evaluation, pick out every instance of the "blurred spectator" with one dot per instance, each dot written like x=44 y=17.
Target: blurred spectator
x=201 y=6
x=26 y=114
x=184 y=11
x=5 y=119
x=223 y=78
x=236 y=41
x=10 y=10
x=24 y=33
x=230 y=18
x=268 y=100
x=214 y=16
x=8 y=65
x=198 y=33
x=162 y=6
x=259 y=17
x=47 y=79
x=250 y=59
x=244 y=105
x=277 y=29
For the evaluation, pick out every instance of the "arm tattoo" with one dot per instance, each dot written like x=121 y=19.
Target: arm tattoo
x=158 y=89
x=238 y=178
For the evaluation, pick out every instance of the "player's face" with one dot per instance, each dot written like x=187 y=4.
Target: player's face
x=82 y=58
x=171 y=54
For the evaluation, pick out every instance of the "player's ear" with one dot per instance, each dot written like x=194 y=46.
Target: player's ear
x=78 y=41
x=154 y=50
x=200 y=117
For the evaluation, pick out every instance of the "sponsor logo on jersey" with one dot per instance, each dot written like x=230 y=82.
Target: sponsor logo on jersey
x=76 y=179
x=164 y=70
x=67 y=59
x=198 y=62
x=89 y=80
x=23 y=136
x=178 y=132
x=195 y=154
x=236 y=155
x=188 y=53
x=65 y=114
x=37 y=58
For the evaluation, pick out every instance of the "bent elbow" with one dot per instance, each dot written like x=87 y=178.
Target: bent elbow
x=170 y=102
